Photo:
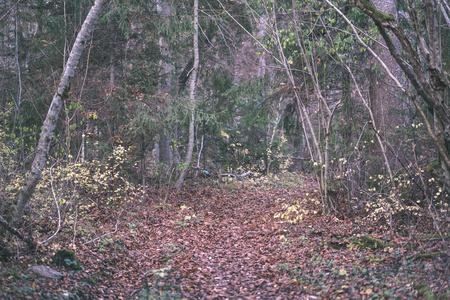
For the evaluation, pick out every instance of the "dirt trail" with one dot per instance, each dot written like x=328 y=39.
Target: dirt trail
x=237 y=250
x=224 y=243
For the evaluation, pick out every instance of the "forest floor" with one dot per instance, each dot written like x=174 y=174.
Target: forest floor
x=233 y=242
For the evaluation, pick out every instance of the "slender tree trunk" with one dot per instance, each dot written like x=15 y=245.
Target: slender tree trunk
x=326 y=115
x=382 y=90
x=18 y=102
x=164 y=9
x=112 y=59
x=347 y=127
x=192 y=90
x=143 y=170
x=40 y=159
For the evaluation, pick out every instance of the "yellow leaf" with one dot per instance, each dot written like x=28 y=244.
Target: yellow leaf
x=368 y=291
x=223 y=133
x=342 y=272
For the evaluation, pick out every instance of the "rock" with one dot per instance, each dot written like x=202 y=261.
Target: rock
x=46 y=272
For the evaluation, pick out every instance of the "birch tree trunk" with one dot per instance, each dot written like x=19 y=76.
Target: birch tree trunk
x=40 y=160
x=192 y=89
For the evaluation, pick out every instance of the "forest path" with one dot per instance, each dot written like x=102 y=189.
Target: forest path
x=237 y=249
x=227 y=243
x=215 y=243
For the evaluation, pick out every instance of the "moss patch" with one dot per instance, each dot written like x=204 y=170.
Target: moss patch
x=377 y=15
x=66 y=259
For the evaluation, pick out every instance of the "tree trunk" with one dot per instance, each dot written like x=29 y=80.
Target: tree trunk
x=382 y=91
x=164 y=9
x=62 y=92
x=192 y=90
x=19 y=85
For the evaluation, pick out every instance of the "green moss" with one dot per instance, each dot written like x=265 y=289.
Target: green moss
x=372 y=243
x=377 y=15
x=446 y=60
x=90 y=280
x=434 y=166
x=424 y=290
x=430 y=255
x=67 y=259
x=65 y=93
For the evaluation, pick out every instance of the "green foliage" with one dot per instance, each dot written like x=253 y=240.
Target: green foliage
x=424 y=291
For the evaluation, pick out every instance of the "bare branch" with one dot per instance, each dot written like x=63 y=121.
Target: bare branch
x=29 y=240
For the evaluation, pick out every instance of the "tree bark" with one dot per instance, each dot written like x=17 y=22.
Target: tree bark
x=192 y=90
x=40 y=160
x=164 y=9
x=382 y=91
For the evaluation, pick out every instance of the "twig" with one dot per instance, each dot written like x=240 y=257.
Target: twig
x=200 y=152
x=9 y=10
x=106 y=234
x=75 y=225
x=57 y=206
